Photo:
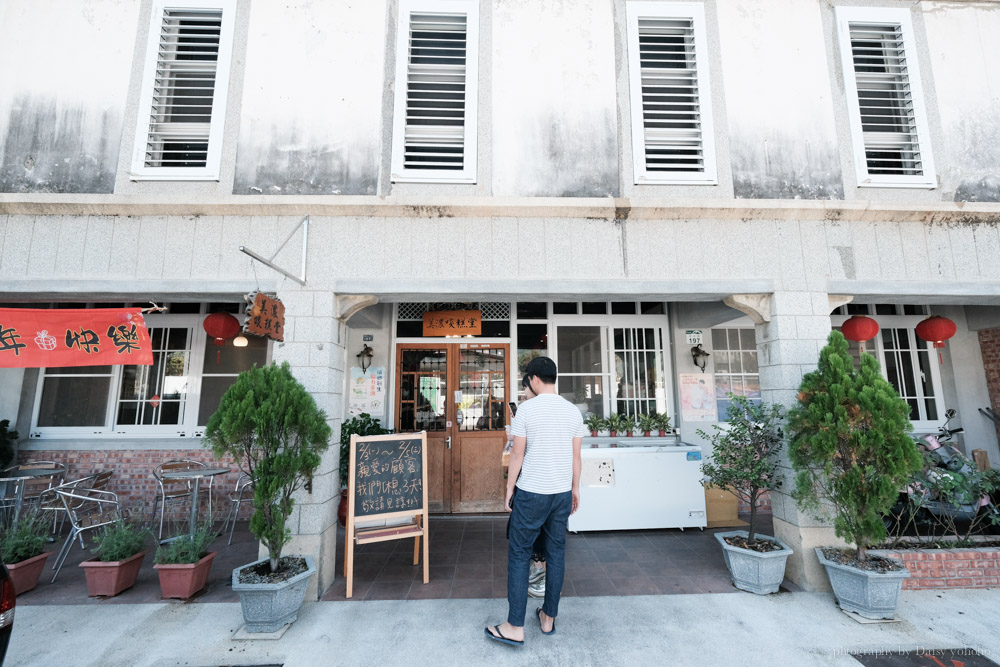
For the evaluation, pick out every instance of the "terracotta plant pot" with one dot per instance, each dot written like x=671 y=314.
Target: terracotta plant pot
x=593 y=434
x=24 y=575
x=111 y=578
x=663 y=433
x=646 y=433
x=182 y=580
x=342 y=508
x=614 y=434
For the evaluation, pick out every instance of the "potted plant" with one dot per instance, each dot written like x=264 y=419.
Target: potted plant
x=363 y=424
x=744 y=463
x=7 y=440
x=118 y=554
x=269 y=423
x=183 y=563
x=663 y=423
x=615 y=423
x=22 y=550
x=595 y=423
x=851 y=451
x=628 y=425
x=647 y=423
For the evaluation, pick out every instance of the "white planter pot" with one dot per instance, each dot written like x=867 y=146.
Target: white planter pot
x=872 y=595
x=753 y=571
x=268 y=607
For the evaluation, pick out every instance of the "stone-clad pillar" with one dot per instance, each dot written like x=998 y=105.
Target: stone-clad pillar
x=792 y=328
x=314 y=348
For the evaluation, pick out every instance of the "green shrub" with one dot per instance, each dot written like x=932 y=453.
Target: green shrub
x=363 y=424
x=595 y=422
x=270 y=424
x=616 y=422
x=119 y=540
x=850 y=445
x=648 y=423
x=744 y=451
x=628 y=423
x=663 y=421
x=26 y=539
x=185 y=548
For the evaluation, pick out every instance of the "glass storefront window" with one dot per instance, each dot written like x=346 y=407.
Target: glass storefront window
x=734 y=353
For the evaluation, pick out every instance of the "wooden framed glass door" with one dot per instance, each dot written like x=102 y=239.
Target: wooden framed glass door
x=458 y=393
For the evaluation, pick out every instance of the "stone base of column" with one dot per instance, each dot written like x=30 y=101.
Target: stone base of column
x=323 y=549
x=802 y=566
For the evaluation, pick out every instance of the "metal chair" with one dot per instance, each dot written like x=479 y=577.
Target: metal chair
x=175 y=489
x=49 y=500
x=86 y=509
x=243 y=484
x=33 y=488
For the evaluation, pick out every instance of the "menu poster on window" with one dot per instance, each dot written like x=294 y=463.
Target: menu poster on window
x=698 y=397
x=367 y=392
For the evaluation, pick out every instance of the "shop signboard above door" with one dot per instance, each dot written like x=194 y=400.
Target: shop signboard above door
x=50 y=338
x=265 y=317
x=453 y=323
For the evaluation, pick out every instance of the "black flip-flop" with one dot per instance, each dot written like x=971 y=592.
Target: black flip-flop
x=498 y=637
x=538 y=613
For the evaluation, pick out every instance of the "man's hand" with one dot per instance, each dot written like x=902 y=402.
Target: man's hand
x=506 y=503
x=576 y=501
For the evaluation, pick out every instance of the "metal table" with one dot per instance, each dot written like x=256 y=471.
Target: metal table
x=22 y=477
x=195 y=474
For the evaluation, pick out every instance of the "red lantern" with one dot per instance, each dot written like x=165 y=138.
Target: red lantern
x=859 y=329
x=221 y=327
x=936 y=329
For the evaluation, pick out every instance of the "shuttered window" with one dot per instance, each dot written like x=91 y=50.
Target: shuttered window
x=882 y=80
x=670 y=94
x=184 y=89
x=434 y=133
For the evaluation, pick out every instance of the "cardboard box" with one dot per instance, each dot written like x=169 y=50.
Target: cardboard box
x=722 y=508
x=981 y=459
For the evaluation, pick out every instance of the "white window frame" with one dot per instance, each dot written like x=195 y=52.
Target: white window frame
x=695 y=12
x=469 y=158
x=901 y=16
x=720 y=414
x=876 y=348
x=212 y=168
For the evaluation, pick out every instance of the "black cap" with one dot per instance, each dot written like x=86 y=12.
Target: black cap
x=542 y=367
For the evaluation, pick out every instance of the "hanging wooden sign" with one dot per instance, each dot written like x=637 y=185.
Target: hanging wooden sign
x=387 y=481
x=453 y=323
x=265 y=317
x=57 y=337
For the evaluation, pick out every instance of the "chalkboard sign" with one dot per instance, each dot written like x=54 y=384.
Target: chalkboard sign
x=388 y=476
x=387 y=481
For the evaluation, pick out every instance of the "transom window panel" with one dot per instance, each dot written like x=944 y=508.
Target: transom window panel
x=883 y=89
x=434 y=135
x=734 y=357
x=423 y=390
x=184 y=90
x=670 y=94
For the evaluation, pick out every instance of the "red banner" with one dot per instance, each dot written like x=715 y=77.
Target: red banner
x=31 y=338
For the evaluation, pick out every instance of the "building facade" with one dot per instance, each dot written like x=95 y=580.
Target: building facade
x=606 y=181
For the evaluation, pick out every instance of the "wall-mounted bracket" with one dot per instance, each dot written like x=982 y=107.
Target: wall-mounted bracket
x=304 y=224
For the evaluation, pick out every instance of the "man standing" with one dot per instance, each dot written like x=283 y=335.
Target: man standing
x=545 y=466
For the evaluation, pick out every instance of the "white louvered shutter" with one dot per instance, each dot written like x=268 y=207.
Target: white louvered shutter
x=184 y=89
x=435 y=105
x=671 y=105
x=885 y=101
x=882 y=82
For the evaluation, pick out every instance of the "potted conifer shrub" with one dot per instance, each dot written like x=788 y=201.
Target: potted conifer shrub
x=22 y=550
x=744 y=463
x=852 y=453
x=118 y=553
x=270 y=424
x=594 y=423
x=183 y=563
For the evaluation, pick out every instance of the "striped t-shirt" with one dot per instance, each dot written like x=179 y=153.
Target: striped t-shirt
x=549 y=422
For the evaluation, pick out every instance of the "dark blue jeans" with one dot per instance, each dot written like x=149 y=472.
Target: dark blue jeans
x=533 y=514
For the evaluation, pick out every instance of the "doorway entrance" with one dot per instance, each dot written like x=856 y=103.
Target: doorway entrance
x=458 y=393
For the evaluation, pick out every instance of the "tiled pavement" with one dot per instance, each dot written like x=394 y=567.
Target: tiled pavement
x=468 y=559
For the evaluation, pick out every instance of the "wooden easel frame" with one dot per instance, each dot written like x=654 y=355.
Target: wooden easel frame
x=416 y=530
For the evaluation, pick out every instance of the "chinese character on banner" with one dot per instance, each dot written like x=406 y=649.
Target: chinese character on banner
x=45 y=338
x=265 y=316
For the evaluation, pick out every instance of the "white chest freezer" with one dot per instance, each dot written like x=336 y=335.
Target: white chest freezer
x=643 y=486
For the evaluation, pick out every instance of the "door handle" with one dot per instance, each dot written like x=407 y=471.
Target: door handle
x=447 y=441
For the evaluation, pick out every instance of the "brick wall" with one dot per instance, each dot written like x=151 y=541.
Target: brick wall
x=133 y=480
x=989 y=344
x=949 y=568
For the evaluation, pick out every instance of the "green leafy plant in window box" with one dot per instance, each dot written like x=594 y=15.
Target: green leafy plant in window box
x=629 y=424
x=616 y=423
x=595 y=423
x=663 y=423
x=648 y=423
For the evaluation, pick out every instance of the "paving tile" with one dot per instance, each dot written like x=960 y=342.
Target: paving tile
x=622 y=569
x=476 y=545
x=475 y=557
x=594 y=586
x=614 y=555
x=478 y=571
x=432 y=590
x=634 y=586
x=675 y=585
x=442 y=571
x=472 y=588
x=399 y=573
x=714 y=584
x=388 y=590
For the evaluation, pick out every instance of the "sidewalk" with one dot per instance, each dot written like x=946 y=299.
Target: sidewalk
x=796 y=629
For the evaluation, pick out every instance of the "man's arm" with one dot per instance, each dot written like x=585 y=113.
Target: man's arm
x=514 y=468
x=577 y=465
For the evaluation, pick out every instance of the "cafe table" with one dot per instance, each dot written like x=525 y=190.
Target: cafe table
x=20 y=479
x=195 y=475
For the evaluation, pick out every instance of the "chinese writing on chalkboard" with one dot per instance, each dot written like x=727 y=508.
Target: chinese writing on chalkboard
x=388 y=476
